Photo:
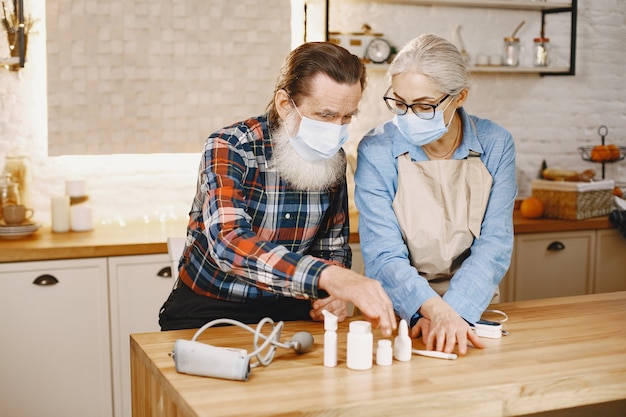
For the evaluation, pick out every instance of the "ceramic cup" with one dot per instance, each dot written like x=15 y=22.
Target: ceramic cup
x=14 y=214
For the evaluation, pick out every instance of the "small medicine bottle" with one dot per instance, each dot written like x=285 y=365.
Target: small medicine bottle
x=541 y=51
x=330 y=339
x=384 y=353
x=402 y=345
x=360 y=345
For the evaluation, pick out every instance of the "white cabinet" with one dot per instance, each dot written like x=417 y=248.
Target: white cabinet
x=553 y=264
x=610 y=268
x=566 y=263
x=138 y=286
x=55 y=339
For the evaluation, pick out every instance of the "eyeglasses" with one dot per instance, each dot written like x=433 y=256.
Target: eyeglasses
x=424 y=111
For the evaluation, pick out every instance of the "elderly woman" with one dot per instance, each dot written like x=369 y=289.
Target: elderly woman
x=435 y=189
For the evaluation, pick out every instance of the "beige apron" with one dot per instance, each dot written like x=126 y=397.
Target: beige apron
x=440 y=206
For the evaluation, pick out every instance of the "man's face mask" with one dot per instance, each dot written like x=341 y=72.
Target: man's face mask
x=317 y=140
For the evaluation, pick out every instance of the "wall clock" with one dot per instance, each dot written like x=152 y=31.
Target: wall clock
x=378 y=51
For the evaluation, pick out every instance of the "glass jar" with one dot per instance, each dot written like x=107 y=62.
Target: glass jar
x=541 y=51
x=17 y=170
x=511 y=52
x=9 y=191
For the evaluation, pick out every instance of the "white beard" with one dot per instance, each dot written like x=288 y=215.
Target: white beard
x=297 y=171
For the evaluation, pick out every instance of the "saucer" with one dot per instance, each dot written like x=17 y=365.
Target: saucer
x=18 y=230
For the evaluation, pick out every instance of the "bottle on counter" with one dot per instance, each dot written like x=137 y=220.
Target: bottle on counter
x=384 y=353
x=402 y=344
x=360 y=345
x=330 y=339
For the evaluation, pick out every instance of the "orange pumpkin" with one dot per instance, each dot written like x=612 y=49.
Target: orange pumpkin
x=614 y=152
x=600 y=153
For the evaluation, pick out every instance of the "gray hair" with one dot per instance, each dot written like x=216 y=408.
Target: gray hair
x=435 y=58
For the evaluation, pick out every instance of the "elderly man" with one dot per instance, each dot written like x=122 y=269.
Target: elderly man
x=268 y=228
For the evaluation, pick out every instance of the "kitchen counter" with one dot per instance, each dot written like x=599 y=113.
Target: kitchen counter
x=150 y=238
x=103 y=241
x=522 y=225
x=560 y=353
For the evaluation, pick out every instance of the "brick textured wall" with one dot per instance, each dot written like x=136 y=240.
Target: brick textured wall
x=151 y=76
x=549 y=117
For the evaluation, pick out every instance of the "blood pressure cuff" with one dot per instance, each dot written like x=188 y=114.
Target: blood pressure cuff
x=618 y=219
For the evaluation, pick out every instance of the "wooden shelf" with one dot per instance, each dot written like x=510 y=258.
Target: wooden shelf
x=490 y=69
x=516 y=70
x=543 y=7
x=488 y=4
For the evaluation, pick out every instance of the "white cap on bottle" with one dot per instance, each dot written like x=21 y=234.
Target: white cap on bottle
x=330 y=320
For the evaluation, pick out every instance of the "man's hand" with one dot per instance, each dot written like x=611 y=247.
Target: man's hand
x=338 y=307
x=442 y=328
x=365 y=293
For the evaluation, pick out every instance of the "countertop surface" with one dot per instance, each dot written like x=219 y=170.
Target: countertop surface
x=150 y=238
x=103 y=241
x=560 y=353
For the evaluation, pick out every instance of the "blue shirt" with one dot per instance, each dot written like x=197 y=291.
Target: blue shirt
x=385 y=254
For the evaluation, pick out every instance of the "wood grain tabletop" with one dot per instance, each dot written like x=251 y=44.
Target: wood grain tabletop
x=560 y=353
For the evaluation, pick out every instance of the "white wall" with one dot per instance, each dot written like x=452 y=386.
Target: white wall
x=549 y=117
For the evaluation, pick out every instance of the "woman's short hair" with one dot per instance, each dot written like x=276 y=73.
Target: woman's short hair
x=436 y=58
x=312 y=58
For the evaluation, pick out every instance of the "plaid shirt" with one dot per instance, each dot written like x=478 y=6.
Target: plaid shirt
x=250 y=234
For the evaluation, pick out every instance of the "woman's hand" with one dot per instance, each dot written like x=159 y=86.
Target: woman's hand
x=442 y=328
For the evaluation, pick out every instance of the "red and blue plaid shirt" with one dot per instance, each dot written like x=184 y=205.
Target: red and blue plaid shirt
x=250 y=234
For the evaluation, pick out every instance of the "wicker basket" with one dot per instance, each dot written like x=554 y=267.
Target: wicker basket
x=574 y=200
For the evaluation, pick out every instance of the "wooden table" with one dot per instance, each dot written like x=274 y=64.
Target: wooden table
x=560 y=353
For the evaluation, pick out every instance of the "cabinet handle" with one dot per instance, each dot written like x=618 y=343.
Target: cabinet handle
x=44 y=280
x=165 y=272
x=556 y=246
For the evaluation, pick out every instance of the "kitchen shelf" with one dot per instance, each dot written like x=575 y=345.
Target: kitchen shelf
x=491 y=69
x=486 y=4
x=545 y=8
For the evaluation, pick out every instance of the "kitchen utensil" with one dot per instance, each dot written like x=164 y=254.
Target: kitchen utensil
x=518 y=28
x=15 y=214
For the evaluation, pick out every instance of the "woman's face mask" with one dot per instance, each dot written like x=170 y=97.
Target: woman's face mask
x=317 y=140
x=421 y=132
